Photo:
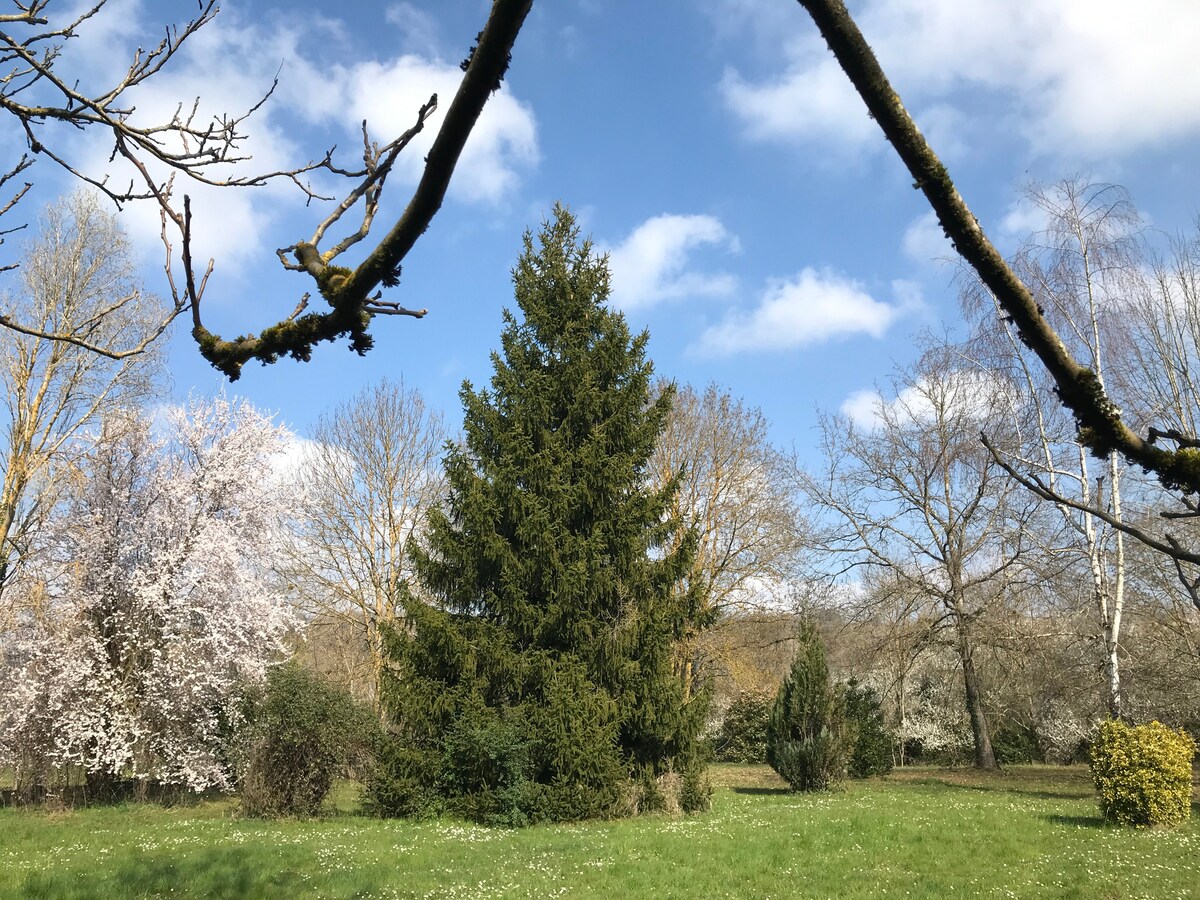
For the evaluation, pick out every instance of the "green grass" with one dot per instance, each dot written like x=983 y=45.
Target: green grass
x=1032 y=832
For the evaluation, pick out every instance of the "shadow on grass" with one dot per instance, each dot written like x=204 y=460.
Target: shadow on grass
x=211 y=873
x=117 y=793
x=761 y=791
x=1077 y=821
x=1040 y=783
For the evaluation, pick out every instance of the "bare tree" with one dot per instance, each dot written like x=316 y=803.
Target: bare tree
x=1160 y=309
x=1078 y=268
x=888 y=624
x=1133 y=315
x=38 y=95
x=1162 y=669
x=734 y=492
x=77 y=279
x=372 y=470
x=914 y=496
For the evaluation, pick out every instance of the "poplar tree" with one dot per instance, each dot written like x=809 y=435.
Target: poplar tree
x=535 y=678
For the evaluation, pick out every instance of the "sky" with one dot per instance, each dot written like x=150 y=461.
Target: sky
x=757 y=223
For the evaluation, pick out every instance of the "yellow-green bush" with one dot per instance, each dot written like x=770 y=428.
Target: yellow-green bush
x=1143 y=773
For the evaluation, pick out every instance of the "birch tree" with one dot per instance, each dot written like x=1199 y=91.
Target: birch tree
x=1078 y=268
x=1102 y=426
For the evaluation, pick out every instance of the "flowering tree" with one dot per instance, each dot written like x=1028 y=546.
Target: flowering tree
x=165 y=609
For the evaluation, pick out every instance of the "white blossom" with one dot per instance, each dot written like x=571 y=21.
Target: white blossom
x=167 y=604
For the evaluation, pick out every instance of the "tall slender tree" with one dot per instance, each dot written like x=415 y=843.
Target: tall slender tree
x=1077 y=267
x=76 y=280
x=552 y=569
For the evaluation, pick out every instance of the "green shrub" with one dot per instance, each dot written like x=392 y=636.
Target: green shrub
x=1016 y=744
x=573 y=729
x=808 y=739
x=1143 y=773
x=873 y=740
x=695 y=795
x=485 y=769
x=743 y=734
x=403 y=782
x=552 y=758
x=300 y=732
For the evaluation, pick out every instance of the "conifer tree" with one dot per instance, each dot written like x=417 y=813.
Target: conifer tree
x=809 y=741
x=534 y=680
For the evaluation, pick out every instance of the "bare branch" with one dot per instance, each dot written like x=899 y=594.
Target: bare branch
x=99 y=349
x=1168 y=545
x=183 y=143
x=34 y=92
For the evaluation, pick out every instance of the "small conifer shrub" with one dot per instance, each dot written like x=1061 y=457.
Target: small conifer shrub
x=1143 y=773
x=873 y=740
x=808 y=739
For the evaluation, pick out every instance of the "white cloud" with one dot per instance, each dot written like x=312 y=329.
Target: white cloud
x=289 y=464
x=652 y=264
x=925 y=242
x=388 y=94
x=1023 y=219
x=812 y=307
x=1085 y=75
x=812 y=101
x=863 y=408
x=963 y=396
x=231 y=63
x=418 y=28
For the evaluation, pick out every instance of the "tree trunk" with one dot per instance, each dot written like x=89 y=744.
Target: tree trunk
x=985 y=757
x=684 y=663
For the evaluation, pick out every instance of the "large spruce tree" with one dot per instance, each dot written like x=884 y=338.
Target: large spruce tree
x=534 y=681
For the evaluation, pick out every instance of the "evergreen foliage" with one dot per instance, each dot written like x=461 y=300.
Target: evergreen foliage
x=1016 y=743
x=809 y=741
x=534 y=681
x=302 y=731
x=743 y=734
x=873 y=740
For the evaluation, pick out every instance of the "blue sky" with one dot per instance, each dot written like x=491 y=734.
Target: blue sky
x=758 y=223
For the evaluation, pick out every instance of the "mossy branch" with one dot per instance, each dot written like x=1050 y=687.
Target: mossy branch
x=353 y=294
x=1101 y=428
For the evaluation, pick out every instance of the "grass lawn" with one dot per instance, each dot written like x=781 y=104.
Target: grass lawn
x=1031 y=832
